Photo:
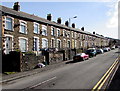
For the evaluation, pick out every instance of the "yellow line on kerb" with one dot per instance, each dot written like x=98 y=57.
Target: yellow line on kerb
x=107 y=76
x=104 y=75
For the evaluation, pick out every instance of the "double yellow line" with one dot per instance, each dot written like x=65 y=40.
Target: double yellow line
x=102 y=81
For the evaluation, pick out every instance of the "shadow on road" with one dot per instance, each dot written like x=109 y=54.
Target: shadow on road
x=72 y=62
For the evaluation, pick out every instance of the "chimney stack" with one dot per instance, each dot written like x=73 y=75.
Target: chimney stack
x=82 y=28
x=59 y=20
x=49 y=17
x=93 y=32
x=16 y=6
x=66 y=23
x=73 y=25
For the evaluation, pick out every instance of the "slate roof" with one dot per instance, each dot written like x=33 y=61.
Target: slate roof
x=20 y=14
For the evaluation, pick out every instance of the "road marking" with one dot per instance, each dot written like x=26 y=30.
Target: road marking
x=42 y=82
x=104 y=75
x=107 y=76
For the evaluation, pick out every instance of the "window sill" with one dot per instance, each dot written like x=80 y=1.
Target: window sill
x=23 y=33
x=9 y=30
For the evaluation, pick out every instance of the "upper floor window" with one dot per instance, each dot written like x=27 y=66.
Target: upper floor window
x=44 y=30
x=63 y=32
x=58 y=32
x=36 y=28
x=23 y=27
x=53 y=31
x=8 y=23
x=72 y=34
x=68 y=34
x=64 y=43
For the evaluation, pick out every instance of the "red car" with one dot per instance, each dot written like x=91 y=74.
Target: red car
x=81 y=57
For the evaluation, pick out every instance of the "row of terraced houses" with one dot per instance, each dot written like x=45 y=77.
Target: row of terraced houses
x=30 y=33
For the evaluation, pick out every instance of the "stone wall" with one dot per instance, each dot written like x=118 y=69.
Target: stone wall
x=55 y=57
x=29 y=61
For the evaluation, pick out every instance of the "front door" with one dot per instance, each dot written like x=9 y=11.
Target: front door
x=8 y=45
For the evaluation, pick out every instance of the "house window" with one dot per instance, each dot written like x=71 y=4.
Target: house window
x=9 y=23
x=75 y=43
x=23 y=44
x=36 y=28
x=59 y=44
x=36 y=44
x=68 y=34
x=44 y=43
x=58 y=32
x=63 y=32
x=64 y=43
x=53 y=31
x=44 y=30
x=68 y=44
x=23 y=27
x=52 y=43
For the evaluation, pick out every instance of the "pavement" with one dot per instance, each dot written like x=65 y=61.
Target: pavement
x=18 y=75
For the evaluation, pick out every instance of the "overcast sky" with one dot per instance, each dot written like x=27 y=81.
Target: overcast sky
x=101 y=17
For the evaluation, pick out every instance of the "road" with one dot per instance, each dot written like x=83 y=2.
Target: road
x=79 y=75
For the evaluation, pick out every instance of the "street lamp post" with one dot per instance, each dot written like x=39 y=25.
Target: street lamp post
x=69 y=22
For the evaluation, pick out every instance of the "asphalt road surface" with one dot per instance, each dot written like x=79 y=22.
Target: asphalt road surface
x=79 y=75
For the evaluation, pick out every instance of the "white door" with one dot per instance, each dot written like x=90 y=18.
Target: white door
x=8 y=45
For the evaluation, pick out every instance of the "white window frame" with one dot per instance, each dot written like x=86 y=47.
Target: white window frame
x=38 y=43
x=46 y=40
x=12 y=23
x=44 y=27
x=25 y=23
x=54 y=43
x=38 y=28
x=26 y=43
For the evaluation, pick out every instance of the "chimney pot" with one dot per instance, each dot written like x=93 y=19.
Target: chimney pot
x=93 y=32
x=49 y=17
x=82 y=28
x=66 y=23
x=59 y=20
x=16 y=6
x=73 y=25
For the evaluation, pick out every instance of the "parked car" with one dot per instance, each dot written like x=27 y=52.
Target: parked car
x=99 y=51
x=80 y=57
x=91 y=52
x=113 y=47
x=106 y=49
